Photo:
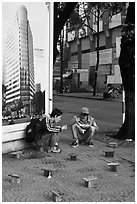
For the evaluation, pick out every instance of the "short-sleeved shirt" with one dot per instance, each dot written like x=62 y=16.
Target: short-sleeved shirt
x=86 y=124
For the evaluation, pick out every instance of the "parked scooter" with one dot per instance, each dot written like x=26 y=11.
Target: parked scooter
x=108 y=94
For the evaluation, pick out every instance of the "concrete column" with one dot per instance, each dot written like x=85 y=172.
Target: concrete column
x=48 y=71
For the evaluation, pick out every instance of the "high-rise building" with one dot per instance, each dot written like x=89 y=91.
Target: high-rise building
x=38 y=87
x=39 y=65
x=20 y=82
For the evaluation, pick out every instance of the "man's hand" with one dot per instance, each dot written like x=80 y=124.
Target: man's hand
x=76 y=119
x=96 y=127
x=64 y=127
x=83 y=131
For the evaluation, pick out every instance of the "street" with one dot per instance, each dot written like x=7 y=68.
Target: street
x=104 y=112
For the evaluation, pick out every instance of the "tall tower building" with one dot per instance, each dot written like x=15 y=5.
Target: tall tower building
x=20 y=82
x=38 y=87
x=39 y=65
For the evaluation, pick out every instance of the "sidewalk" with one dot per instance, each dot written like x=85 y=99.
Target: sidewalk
x=89 y=95
x=67 y=178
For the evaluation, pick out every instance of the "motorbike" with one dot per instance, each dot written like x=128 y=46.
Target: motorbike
x=112 y=93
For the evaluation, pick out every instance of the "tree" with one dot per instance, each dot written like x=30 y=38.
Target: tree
x=7 y=112
x=61 y=66
x=127 y=67
x=38 y=102
x=62 y=12
x=3 y=97
x=83 y=16
x=17 y=105
x=20 y=105
x=126 y=62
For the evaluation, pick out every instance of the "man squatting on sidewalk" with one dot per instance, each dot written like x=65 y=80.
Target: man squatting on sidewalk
x=45 y=132
x=52 y=131
x=84 y=128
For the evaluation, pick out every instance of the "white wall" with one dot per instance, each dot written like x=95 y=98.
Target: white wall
x=48 y=58
x=13 y=137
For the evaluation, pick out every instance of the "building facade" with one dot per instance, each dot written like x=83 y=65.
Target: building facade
x=20 y=81
x=39 y=64
x=83 y=49
x=38 y=87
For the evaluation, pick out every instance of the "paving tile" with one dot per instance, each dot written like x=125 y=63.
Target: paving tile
x=67 y=178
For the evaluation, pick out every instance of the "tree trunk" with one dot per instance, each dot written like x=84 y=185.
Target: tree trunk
x=127 y=131
x=127 y=67
x=61 y=66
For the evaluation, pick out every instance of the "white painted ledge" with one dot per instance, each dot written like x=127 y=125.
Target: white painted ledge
x=13 y=132
x=13 y=137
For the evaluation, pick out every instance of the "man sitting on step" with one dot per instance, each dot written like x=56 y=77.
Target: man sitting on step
x=84 y=128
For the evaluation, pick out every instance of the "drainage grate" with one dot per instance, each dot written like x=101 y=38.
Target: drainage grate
x=33 y=155
x=42 y=157
x=27 y=155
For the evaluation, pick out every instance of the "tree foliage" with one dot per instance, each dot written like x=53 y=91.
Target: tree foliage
x=38 y=102
x=82 y=17
x=3 y=97
x=84 y=12
x=127 y=55
x=18 y=104
x=62 y=12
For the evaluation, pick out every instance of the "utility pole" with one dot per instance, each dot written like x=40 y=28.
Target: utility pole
x=48 y=51
x=97 y=64
x=123 y=104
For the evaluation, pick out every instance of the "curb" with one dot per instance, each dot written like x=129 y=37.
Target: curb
x=86 y=97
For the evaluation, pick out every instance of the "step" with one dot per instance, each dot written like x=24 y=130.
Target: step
x=113 y=166
x=89 y=181
x=14 y=178
x=48 y=172
x=112 y=144
x=73 y=157
x=109 y=153
x=56 y=196
x=16 y=154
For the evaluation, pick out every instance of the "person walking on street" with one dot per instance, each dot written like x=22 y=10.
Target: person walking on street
x=84 y=128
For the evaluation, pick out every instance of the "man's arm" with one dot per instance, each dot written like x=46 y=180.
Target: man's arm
x=94 y=124
x=46 y=125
